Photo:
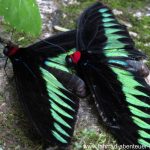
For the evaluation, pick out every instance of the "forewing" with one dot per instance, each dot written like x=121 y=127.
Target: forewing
x=100 y=32
x=42 y=80
x=66 y=40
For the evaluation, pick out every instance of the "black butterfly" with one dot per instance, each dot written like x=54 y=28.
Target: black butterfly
x=114 y=71
x=47 y=87
x=106 y=59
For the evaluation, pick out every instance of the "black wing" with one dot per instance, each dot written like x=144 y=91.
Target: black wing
x=47 y=87
x=113 y=69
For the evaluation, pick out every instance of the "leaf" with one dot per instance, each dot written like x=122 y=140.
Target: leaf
x=23 y=15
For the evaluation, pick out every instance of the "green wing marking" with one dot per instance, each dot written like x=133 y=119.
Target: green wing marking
x=60 y=59
x=118 y=38
x=137 y=107
x=58 y=137
x=116 y=53
x=62 y=106
x=103 y=10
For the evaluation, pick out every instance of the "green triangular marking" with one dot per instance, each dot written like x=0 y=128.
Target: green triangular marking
x=128 y=81
x=102 y=10
x=140 y=123
x=59 y=110
x=51 y=79
x=58 y=92
x=109 y=24
x=57 y=99
x=60 y=129
x=111 y=30
x=138 y=112
x=134 y=101
x=116 y=52
x=121 y=71
x=144 y=143
x=134 y=91
x=144 y=134
x=58 y=137
x=106 y=15
x=115 y=37
x=59 y=119
x=57 y=66
x=107 y=20
x=115 y=45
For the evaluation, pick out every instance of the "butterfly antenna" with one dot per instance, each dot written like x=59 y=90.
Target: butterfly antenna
x=6 y=63
x=3 y=41
x=12 y=33
x=3 y=57
x=5 y=67
x=54 y=45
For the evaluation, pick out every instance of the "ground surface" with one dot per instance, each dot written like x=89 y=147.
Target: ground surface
x=15 y=133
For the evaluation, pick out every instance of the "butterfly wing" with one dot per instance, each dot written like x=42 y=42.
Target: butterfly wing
x=47 y=88
x=65 y=39
x=113 y=70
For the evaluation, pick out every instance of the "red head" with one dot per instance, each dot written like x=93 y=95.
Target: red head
x=10 y=50
x=74 y=58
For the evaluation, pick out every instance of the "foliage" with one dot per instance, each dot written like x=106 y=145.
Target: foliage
x=23 y=15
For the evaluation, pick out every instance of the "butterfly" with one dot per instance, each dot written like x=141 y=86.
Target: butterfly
x=114 y=71
x=105 y=59
x=48 y=89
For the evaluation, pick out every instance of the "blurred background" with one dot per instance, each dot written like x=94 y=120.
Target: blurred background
x=15 y=133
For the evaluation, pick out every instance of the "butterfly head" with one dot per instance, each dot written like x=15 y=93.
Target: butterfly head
x=10 y=50
x=73 y=59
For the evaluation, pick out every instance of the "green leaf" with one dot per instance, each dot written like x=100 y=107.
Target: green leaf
x=23 y=15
